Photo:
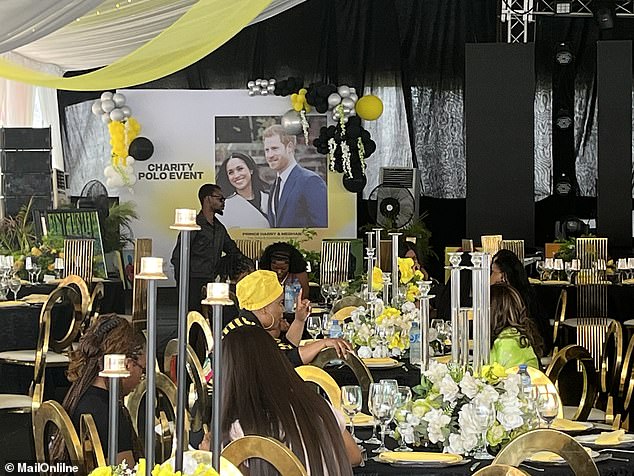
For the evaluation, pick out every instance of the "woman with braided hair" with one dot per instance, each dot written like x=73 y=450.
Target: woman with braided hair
x=88 y=393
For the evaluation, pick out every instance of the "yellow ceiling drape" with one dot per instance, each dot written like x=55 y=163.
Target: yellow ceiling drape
x=207 y=25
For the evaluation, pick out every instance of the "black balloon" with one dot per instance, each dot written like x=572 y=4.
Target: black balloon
x=141 y=148
x=356 y=184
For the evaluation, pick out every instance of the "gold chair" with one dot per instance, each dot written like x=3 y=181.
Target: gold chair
x=500 y=470
x=94 y=303
x=52 y=413
x=310 y=373
x=347 y=301
x=516 y=246
x=142 y=248
x=201 y=391
x=250 y=248
x=196 y=320
x=328 y=357
x=268 y=449
x=539 y=379
x=526 y=445
x=165 y=388
x=78 y=258
x=611 y=366
x=92 y=450
x=335 y=259
x=39 y=358
x=557 y=322
x=576 y=353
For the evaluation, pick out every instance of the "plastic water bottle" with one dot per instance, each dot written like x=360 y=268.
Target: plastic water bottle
x=296 y=289
x=526 y=386
x=527 y=394
x=415 y=344
x=336 y=332
x=289 y=298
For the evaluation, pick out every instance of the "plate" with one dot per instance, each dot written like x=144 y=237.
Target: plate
x=626 y=440
x=362 y=420
x=570 y=426
x=381 y=363
x=415 y=458
x=547 y=457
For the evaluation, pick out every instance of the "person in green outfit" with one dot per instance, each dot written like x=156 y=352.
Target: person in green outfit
x=514 y=336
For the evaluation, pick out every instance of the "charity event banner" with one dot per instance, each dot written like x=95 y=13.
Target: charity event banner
x=237 y=141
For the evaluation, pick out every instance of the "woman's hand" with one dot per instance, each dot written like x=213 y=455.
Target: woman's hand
x=206 y=443
x=343 y=347
x=302 y=308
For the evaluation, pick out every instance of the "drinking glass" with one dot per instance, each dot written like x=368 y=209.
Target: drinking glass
x=539 y=266
x=373 y=440
x=403 y=410
x=326 y=323
x=4 y=288
x=333 y=292
x=37 y=269
x=14 y=285
x=313 y=326
x=351 y=401
x=28 y=265
x=547 y=406
x=485 y=414
x=325 y=292
x=382 y=408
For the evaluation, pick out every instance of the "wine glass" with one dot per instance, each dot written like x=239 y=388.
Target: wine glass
x=37 y=269
x=325 y=292
x=351 y=401
x=4 y=288
x=326 y=323
x=28 y=265
x=382 y=408
x=485 y=414
x=313 y=326
x=14 y=285
x=373 y=440
x=333 y=292
x=547 y=406
x=403 y=411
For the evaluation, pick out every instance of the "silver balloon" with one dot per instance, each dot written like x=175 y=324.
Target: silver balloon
x=264 y=92
x=106 y=95
x=258 y=82
x=344 y=91
x=250 y=84
x=251 y=92
x=346 y=111
x=270 y=88
x=105 y=117
x=272 y=81
x=119 y=99
x=352 y=112
x=96 y=108
x=353 y=91
x=256 y=89
x=347 y=103
x=117 y=115
x=107 y=105
x=292 y=122
x=353 y=96
x=345 y=119
x=264 y=83
x=127 y=112
x=336 y=116
x=333 y=100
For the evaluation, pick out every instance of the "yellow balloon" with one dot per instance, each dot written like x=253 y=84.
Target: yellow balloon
x=369 y=108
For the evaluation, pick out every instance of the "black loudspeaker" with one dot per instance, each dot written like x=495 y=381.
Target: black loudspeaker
x=25 y=138
x=23 y=161
x=12 y=205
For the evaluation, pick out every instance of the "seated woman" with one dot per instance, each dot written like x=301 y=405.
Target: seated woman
x=264 y=396
x=88 y=393
x=514 y=337
x=407 y=249
x=261 y=300
x=286 y=260
x=507 y=268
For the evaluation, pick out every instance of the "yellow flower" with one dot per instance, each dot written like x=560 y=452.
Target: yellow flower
x=418 y=275
x=140 y=467
x=406 y=268
x=412 y=292
x=51 y=267
x=377 y=279
x=102 y=471
x=35 y=251
x=493 y=372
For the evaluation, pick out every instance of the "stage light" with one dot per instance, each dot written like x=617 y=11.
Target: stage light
x=604 y=14
x=563 y=7
x=563 y=185
x=563 y=54
x=563 y=120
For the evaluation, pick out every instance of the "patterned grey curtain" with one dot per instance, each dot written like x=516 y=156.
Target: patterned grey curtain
x=586 y=165
x=543 y=138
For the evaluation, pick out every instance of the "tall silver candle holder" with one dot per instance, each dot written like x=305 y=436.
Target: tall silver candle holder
x=454 y=260
x=387 y=280
x=485 y=311
x=217 y=297
x=185 y=222
x=394 y=267
x=113 y=369
x=423 y=321
x=369 y=252
x=377 y=241
x=151 y=270
x=476 y=287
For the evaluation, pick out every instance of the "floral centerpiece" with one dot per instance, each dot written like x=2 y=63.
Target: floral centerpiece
x=191 y=467
x=408 y=277
x=449 y=411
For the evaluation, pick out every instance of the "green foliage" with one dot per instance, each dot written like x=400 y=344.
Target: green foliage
x=415 y=229
x=16 y=233
x=117 y=232
x=312 y=257
x=567 y=250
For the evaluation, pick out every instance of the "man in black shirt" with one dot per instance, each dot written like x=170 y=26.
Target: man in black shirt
x=207 y=245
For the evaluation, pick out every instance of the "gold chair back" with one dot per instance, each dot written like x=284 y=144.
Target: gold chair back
x=590 y=250
x=197 y=320
x=51 y=412
x=250 y=248
x=576 y=353
x=329 y=356
x=197 y=377
x=78 y=258
x=347 y=301
x=500 y=470
x=516 y=246
x=92 y=449
x=142 y=249
x=612 y=358
x=310 y=373
x=79 y=297
x=539 y=379
x=491 y=243
x=591 y=334
x=560 y=316
x=335 y=259
x=94 y=304
x=268 y=449
x=526 y=445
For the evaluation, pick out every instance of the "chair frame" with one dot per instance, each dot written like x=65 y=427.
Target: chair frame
x=196 y=319
x=163 y=385
x=92 y=450
x=560 y=443
x=318 y=376
x=500 y=470
x=268 y=449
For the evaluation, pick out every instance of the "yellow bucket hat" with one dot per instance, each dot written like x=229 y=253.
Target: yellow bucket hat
x=258 y=289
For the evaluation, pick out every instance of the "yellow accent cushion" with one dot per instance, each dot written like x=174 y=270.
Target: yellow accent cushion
x=379 y=361
x=425 y=457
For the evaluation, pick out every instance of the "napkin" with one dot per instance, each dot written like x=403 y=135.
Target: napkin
x=550 y=457
x=360 y=419
x=379 y=361
x=610 y=437
x=534 y=281
x=35 y=298
x=568 y=425
x=394 y=456
x=13 y=303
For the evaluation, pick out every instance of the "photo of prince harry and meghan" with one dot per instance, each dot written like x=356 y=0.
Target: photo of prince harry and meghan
x=269 y=178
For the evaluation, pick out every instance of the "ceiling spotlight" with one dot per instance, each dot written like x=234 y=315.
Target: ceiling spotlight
x=563 y=7
x=563 y=54
x=563 y=120
x=563 y=185
x=604 y=12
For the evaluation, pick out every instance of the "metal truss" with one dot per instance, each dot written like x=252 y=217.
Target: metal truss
x=520 y=14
